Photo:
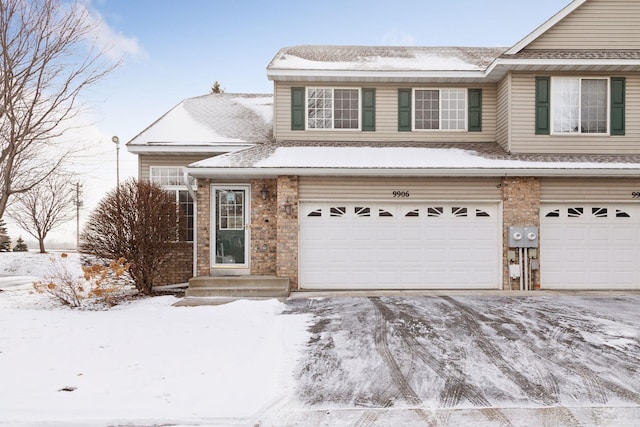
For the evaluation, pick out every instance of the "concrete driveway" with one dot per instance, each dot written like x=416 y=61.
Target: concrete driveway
x=475 y=360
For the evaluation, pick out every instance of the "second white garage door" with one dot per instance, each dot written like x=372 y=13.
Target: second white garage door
x=590 y=246
x=399 y=246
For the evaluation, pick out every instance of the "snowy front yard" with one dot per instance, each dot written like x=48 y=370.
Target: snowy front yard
x=144 y=363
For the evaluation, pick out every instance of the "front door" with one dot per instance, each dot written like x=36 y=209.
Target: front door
x=230 y=232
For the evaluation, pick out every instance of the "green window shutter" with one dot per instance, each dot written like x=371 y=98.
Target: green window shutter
x=617 y=105
x=404 y=110
x=297 y=108
x=368 y=110
x=543 y=105
x=475 y=110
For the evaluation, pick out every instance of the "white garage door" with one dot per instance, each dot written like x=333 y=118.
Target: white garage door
x=590 y=246
x=399 y=246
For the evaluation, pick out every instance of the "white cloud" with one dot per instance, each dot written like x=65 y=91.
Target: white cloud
x=114 y=44
x=398 y=38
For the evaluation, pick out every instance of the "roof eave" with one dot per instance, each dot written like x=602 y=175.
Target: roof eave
x=371 y=75
x=257 y=172
x=186 y=149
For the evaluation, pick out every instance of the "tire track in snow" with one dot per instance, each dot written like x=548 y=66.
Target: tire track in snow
x=596 y=386
x=455 y=385
x=534 y=391
x=399 y=380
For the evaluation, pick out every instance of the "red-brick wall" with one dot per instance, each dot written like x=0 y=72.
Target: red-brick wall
x=179 y=268
x=264 y=221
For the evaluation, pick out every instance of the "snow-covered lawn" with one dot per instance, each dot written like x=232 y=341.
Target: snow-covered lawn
x=142 y=363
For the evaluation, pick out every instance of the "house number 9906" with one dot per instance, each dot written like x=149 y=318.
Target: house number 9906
x=401 y=194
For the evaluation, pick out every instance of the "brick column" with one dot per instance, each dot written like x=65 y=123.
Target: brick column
x=203 y=227
x=264 y=223
x=521 y=206
x=287 y=230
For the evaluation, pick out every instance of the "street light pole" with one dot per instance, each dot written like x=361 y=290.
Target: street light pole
x=116 y=141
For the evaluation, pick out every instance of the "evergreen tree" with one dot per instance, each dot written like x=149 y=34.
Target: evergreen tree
x=216 y=88
x=21 y=246
x=5 y=240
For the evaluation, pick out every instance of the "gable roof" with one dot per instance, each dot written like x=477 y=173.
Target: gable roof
x=545 y=26
x=210 y=123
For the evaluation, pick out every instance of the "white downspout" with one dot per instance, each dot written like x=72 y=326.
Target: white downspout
x=521 y=261
x=526 y=270
x=195 y=222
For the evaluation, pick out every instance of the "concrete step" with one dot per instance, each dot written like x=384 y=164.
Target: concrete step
x=238 y=287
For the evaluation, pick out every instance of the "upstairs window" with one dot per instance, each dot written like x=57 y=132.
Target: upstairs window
x=329 y=108
x=580 y=105
x=440 y=109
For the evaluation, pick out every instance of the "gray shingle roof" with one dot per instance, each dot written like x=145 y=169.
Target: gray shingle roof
x=213 y=118
x=576 y=54
x=384 y=58
x=249 y=158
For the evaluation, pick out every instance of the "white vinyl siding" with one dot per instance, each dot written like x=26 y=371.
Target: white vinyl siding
x=606 y=190
x=503 y=124
x=386 y=119
x=381 y=189
x=597 y=24
x=524 y=139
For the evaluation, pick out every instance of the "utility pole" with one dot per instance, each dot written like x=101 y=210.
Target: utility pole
x=78 y=203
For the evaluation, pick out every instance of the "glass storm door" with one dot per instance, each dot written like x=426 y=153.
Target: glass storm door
x=230 y=211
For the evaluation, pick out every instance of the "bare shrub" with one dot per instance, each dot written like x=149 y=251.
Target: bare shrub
x=100 y=286
x=135 y=221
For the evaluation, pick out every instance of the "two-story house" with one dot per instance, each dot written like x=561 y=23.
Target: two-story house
x=406 y=167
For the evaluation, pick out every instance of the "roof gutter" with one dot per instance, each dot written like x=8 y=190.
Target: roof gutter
x=410 y=172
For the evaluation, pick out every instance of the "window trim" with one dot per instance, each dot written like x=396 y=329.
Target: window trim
x=332 y=128
x=176 y=188
x=552 y=106
x=440 y=89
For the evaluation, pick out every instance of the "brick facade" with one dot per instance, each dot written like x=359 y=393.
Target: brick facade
x=203 y=229
x=287 y=230
x=264 y=221
x=179 y=268
x=521 y=207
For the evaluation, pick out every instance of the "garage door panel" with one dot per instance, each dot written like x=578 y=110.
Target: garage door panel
x=597 y=248
x=417 y=246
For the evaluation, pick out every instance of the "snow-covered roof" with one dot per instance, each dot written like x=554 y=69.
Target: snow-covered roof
x=407 y=159
x=384 y=58
x=382 y=63
x=214 y=122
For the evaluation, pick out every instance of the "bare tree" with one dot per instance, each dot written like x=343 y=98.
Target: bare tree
x=44 y=207
x=136 y=221
x=46 y=60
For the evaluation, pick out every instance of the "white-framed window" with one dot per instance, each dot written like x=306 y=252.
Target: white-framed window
x=172 y=179
x=333 y=108
x=440 y=109
x=579 y=105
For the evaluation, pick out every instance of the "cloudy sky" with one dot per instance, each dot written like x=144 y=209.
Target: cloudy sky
x=176 y=49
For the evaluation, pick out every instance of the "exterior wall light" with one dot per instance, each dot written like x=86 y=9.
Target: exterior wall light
x=264 y=192
x=288 y=206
